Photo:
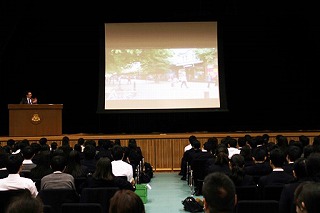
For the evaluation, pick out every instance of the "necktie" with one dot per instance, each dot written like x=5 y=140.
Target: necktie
x=30 y=101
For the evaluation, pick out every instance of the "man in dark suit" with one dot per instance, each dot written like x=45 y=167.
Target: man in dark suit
x=28 y=99
x=278 y=176
x=261 y=165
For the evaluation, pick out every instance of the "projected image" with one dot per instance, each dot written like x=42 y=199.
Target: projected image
x=152 y=74
x=161 y=66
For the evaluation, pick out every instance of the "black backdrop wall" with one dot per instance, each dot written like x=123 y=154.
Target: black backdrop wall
x=271 y=62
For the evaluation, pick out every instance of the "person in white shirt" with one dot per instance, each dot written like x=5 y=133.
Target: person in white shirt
x=232 y=147
x=14 y=181
x=120 y=167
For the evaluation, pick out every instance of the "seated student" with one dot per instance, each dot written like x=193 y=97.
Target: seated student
x=184 y=164
x=237 y=174
x=133 y=154
x=219 y=193
x=25 y=203
x=103 y=177
x=3 y=156
x=278 y=176
x=120 y=167
x=14 y=181
x=307 y=196
x=293 y=153
x=286 y=202
x=125 y=201
x=261 y=165
x=43 y=167
x=220 y=163
x=74 y=166
x=27 y=164
x=58 y=179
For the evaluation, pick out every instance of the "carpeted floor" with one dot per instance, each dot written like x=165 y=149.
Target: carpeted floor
x=166 y=193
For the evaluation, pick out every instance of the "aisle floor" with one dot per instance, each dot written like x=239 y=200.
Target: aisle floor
x=166 y=193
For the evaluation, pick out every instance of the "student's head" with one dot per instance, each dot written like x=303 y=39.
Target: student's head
x=58 y=163
x=237 y=160
x=81 y=141
x=27 y=152
x=307 y=196
x=259 y=154
x=126 y=201
x=293 y=153
x=89 y=152
x=54 y=146
x=14 y=163
x=43 y=141
x=25 y=203
x=103 y=169
x=277 y=157
x=191 y=139
x=117 y=152
x=196 y=144
x=132 y=143
x=300 y=168
x=219 y=193
x=313 y=168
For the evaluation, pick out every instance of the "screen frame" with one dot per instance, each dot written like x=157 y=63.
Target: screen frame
x=221 y=77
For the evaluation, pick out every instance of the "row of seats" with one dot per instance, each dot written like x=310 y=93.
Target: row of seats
x=59 y=200
x=269 y=192
x=56 y=197
x=76 y=208
x=257 y=206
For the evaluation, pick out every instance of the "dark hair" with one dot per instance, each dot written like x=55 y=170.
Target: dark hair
x=300 y=168
x=237 y=173
x=25 y=203
x=308 y=193
x=77 y=147
x=294 y=152
x=58 y=163
x=54 y=145
x=74 y=165
x=11 y=142
x=191 y=139
x=117 y=152
x=43 y=141
x=126 y=201
x=14 y=162
x=219 y=192
x=27 y=152
x=89 y=152
x=307 y=150
x=260 y=154
x=312 y=163
x=132 y=143
x=196 y=144
x=103 y=169
x=277 y=157
x=80 y=141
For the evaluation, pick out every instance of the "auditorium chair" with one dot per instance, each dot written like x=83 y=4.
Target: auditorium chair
x=271 y=192
x=56 y=197
x=101 y=195
x=198 y=173
x=257 y=206
x=81 y=208
x=247 y=193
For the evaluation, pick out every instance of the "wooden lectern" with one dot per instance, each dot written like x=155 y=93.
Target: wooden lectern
x=35 y=119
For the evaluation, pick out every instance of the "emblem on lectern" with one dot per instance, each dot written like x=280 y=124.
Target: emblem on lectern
x=35 y=118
